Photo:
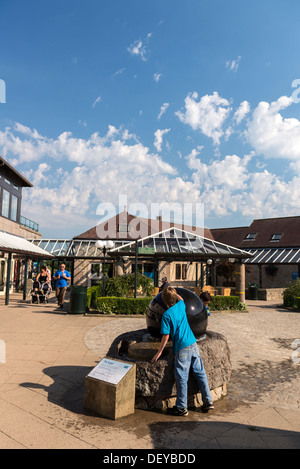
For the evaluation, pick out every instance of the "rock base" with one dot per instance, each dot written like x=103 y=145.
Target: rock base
x=194 y=400
x=155 y=383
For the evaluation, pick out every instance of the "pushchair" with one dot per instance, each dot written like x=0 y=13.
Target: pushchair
x=45 y=289
x=40 y=292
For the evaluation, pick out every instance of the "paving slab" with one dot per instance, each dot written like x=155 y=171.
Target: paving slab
x=49 y=352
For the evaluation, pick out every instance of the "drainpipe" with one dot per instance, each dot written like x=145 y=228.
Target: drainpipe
x=25 y=278
x=8 y=279
x=136 y=267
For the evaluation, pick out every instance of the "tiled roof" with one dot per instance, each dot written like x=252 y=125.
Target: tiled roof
x=143 y=226
x=264 y=230
x=12 y=174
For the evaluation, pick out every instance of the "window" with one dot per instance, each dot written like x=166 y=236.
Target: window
x=181 y=271
x=96 y=269
x=14 y=208
x=5 y=203
x=250 y=236
x=10 y=203
x=276 y=237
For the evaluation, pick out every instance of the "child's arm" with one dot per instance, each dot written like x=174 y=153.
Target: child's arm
x=163 y=343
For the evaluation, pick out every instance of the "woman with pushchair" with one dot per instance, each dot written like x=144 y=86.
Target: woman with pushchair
x=41 y=287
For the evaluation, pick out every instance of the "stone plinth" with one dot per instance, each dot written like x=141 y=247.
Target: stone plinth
x=111 y=400
x=155 y=383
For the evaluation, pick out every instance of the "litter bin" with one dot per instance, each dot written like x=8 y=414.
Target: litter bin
x=253 y=291
x=78 y=299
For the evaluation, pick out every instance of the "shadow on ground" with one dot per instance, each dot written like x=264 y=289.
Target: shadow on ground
x=220 y=435
x=197 y=431
x=68 y=387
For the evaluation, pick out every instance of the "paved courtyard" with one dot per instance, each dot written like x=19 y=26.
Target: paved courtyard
x=49 y=353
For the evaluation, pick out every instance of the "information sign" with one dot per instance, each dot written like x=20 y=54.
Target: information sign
x=111 y=371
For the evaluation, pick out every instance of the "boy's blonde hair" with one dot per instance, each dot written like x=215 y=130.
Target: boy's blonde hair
x=169 y=296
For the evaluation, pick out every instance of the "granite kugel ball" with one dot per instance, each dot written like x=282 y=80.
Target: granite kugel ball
x=195 y=311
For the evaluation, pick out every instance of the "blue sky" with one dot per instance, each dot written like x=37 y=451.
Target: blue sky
x=160 y=101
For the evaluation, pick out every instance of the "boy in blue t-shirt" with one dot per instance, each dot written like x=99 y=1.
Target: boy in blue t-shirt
x=175 y=324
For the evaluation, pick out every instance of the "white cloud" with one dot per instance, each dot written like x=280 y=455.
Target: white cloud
x=227 y=186
x=159 y=138
x=89 y=171
x=207 y=115
x=119 y=72
x=139 y=47
x=241 y=112
x=97 y=100
x=231 y=171
x=295 y=167
x=233 y=65
x=136 y=48
x=83 y=123
x=163 y=109
x=157 y=77
x=272 y=135
x=101 y=167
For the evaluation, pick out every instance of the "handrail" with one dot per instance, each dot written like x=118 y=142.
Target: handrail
x=29 y=224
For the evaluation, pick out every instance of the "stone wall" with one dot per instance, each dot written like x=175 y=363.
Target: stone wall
x=280 y=277
x=271 y=294
x=19 y=230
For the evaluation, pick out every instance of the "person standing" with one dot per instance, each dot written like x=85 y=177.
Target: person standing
x=164 y=284
x=175 y=324
x=62 y=276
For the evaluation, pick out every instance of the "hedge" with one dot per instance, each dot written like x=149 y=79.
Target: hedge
x=122 y=305
x=292 y=302
x=92 y=294
x=119 y=305
x=220 y=303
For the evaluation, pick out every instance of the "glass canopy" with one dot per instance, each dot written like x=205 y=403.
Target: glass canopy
x=170 y=243
x=176 y=241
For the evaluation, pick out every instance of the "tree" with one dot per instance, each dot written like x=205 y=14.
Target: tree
x=225 y=269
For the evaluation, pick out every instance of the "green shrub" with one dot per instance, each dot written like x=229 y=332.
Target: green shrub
x=118 y=305
x=291 y=292
x=91 y=297
x=220 y=303
x=123 y=285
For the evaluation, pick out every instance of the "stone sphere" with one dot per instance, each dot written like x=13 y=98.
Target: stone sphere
x=195 y=311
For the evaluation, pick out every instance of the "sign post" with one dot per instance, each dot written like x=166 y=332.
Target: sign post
x=110 y=388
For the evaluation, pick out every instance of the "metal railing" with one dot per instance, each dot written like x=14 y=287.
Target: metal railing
x=29 y=224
